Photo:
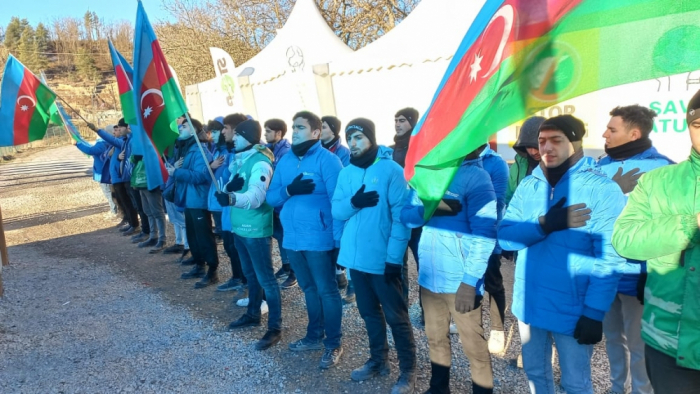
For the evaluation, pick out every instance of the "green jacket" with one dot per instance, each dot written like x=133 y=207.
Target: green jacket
x=660 y=225
x=516 y=173
x=251 y=217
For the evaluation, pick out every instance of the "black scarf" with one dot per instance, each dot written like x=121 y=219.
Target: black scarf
x=367 y=159
x=328 y=145
x=625 y=151
x=183 y=146
x=531 y=164
x=476 y=153
x=401 y=141
x=247 y=148
x=553 y=175
x=300 y=149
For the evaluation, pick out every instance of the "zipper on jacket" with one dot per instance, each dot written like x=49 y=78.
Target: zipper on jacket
x=551 y=194
x=357 y=229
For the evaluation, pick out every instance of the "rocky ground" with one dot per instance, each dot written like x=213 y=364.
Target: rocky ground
x=85 y=311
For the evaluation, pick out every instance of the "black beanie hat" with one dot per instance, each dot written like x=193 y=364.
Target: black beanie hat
x=410 y=114
x=364 y=126
x=572 y=127
x=693 y=109
x=333 y=123
x=122 y=123
x=250 y=130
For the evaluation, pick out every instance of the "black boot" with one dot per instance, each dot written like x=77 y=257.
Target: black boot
x=349 y=294
x=476 y=389
x=210 y=279
x=439 y=380
x=196 y=272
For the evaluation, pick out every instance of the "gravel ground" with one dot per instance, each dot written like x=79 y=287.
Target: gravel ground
x=87 y=311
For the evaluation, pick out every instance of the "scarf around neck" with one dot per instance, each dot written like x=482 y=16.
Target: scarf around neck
x=300 y=149
x=632 y=148
x=367 y=159
x=553 y=175
x=401 y=141
x=330 y=144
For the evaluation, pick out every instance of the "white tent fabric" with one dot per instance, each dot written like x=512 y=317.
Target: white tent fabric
x=403 y=68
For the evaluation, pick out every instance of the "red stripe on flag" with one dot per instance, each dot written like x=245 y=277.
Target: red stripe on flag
x=151 y=98
x=164 y=74
x=25 y=107
x=123 y=83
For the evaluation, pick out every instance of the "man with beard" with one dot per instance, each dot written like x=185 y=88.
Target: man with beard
x=368 y=199
x=560 y=220
x=629 y=155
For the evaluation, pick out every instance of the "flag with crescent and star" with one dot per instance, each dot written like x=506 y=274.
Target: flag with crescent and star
x=25 y=105
x=521 y=56
x=125 y=78
x=157 y=99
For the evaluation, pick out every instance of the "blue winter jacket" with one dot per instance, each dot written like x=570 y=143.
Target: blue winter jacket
x=222 y=176
x=341 y=151
x=307 y=219
x=193 y=179
x=646 y=161
x=498 y=172
x=372 y=236
x=119 y=170
x=278 y=150
x=456 y=249
x=568 y=273
x=99 y=158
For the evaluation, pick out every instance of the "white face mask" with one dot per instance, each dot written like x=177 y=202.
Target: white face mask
x=215 y=135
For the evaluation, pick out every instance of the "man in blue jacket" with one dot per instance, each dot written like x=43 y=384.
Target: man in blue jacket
x=119 y=173
x=330 y=138
x=454 y=250
x=629 y=155
x=560 y=220
x=192 y=184
x=275 y=130
x=100 y=166
x=303 y=185
x=368 y=199
x=220 y=165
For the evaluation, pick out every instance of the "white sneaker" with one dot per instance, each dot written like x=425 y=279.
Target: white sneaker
x=497 y=342
x=453 y=329
x=243 y=302
x=263 y=308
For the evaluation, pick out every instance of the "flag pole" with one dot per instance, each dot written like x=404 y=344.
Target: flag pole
x=201 y=150
x=45 y=83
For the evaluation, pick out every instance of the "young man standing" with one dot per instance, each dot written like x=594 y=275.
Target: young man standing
x=454 y=249
x=222 y=175
x=661 y=225
x=193 y=180
x=330 y=138
x=527 y=156
x=368 y=200
x=629 y=155
x=560 y=221
x=275 y=130
x=251 y=222
x=303 y=184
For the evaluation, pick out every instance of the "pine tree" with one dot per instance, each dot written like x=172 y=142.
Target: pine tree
x=41 y=47
x=13 y=34
x=85 y=63
x=27 y=48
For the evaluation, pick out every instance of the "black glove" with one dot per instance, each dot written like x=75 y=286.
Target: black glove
x=627 y=181
x=236 y=184
x=364 y=200
x=301 y=186
x=560 y=218
x=222 y=198
x=448 y=207
x=91 y=127
x=588 y=331
x=465 y=299
x=392 y=272
x=641 y=284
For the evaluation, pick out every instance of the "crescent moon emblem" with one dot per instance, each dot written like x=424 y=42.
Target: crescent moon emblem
x=152 y=91
x=27 y=97
x=506 y=12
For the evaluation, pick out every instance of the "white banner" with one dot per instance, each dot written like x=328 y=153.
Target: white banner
x=224 y=66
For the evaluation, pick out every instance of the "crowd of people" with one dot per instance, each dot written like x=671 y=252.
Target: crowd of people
x=602 y=248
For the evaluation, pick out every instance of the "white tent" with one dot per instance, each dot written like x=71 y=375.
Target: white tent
x=403 y=68
x=282 y=79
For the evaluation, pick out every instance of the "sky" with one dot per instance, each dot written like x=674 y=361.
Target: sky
x=109 y=10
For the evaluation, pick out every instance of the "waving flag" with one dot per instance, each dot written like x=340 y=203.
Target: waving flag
x=25 y=105
x=125 y=77
x=54 y=116
x=521 y=56
x=68 y=124
x=158 y=100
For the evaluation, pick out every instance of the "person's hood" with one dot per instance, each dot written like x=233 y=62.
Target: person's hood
x=384 y=152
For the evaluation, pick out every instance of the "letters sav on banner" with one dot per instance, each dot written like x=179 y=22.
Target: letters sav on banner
x=524 y=54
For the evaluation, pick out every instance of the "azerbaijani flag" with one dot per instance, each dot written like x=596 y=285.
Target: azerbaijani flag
x=158 y=100
x=125 y=77
x=68 y=124
x=54 y=116
x=521 y=56
x=25 y=105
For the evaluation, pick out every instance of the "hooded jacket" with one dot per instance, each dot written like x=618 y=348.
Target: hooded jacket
x=372 y=236
x=307 y=219
x=566 y=274
x=456 y=249
x=193 y=179
x=646 y=161
x=659 y=225
x=278 y=150
x=341 y=151
x=100 y=161
x=119 y=170
x=222 y=175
